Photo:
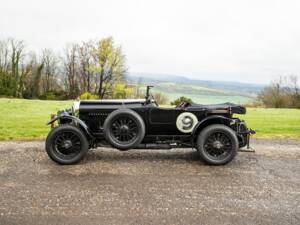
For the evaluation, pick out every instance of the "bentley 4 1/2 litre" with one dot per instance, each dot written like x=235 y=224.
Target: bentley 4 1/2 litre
x=141 y=124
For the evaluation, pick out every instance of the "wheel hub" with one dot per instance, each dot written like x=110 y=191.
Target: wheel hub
x=124 y=129
x=217 y=144
x=67 y=144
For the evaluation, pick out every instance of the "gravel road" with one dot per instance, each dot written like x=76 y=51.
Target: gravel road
x=150 y=187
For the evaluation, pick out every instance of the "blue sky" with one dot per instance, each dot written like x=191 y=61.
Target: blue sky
x=234 y=40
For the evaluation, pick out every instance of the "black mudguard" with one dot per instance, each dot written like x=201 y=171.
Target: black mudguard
x=221 y=119
x=74 y=119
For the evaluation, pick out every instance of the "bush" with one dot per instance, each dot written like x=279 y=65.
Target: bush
x=122 y=90
x=281 y=93
x=87 y=96
x=181 y=99
x=51 y=95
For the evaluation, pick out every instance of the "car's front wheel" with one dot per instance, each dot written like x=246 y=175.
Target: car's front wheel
x=217 y=144
x=66 y=144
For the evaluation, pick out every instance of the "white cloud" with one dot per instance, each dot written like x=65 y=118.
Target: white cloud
x=240 y=40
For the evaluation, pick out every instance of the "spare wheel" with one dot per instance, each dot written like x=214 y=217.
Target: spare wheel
x=124 y=129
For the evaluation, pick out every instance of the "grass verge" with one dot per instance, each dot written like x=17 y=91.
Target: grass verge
x=26 y=120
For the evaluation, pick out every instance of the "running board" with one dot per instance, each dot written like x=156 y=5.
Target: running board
x=248 y=149
x=154 y=146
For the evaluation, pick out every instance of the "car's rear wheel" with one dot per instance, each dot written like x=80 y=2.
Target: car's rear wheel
x=124 y=129
x=66 y=144
x=217 y=144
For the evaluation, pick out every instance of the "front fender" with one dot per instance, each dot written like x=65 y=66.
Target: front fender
x=74 y=119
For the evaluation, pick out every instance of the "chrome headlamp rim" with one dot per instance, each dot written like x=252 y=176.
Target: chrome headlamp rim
x=75 y=107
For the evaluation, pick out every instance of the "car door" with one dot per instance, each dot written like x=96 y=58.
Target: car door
x=162 y=121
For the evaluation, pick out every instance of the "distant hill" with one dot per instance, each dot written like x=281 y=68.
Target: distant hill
x=201 y=91
x=246 y=88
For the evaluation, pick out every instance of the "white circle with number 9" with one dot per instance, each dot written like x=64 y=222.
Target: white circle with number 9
x=186 y=122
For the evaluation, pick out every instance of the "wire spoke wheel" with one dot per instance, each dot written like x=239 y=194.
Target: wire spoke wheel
x=67 y=143
x=124 y=129
x=218 y=145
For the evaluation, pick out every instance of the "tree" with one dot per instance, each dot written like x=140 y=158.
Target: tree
x=281 y=93
x=93 y=67
x=14 y=68
x=6 y=79
x=49 y=72
x=30 y=78
x=71 y=71
x=293 y=91
x=11 y=55
x=17 y=48
x=109 y=66
x=121 y=90
x=181 y=99
x=86 y=60
x=4 y=56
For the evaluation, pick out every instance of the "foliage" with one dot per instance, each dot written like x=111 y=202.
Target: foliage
x=121 y=90
x=71 y=75
x=160 y=98
x=11 y=72
x=88 y=96
x=25 y=119
x=51 y=96
x=93 y=66
x=6 y=84
x=109 y=66
x=281 y=93
x=181 y=99
x=54 y=95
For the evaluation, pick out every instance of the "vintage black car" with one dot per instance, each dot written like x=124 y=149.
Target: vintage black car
x=142 y=124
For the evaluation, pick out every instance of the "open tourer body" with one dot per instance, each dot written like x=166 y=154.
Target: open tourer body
x=141 y=124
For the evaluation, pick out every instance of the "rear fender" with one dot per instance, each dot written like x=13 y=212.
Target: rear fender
x=74 y=119
x=215 y=119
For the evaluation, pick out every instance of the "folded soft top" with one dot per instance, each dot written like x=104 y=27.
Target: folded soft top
x=233 y=108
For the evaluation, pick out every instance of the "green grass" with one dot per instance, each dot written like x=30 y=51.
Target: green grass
x=274 y=123
x=26 y=119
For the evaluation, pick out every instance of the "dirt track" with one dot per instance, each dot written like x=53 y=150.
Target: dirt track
x=150 y=187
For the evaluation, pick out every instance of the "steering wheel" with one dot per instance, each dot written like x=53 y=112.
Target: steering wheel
x=154 y=101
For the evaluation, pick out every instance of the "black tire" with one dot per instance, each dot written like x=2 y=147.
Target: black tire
x=124 y=129
x=217 y=144
x=66 y=144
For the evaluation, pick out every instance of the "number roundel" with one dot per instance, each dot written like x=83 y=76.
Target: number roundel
x=186 y=122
